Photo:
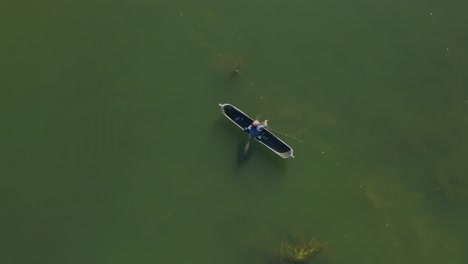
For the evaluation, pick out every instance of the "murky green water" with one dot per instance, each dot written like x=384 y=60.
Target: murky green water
x=114 y=149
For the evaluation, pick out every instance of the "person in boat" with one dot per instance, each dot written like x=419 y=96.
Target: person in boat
x=255 y=128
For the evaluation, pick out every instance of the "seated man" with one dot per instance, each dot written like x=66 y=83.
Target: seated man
x=255 y=128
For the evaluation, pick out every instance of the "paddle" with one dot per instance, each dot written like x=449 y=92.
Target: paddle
x=246 y=148
x=247 y=145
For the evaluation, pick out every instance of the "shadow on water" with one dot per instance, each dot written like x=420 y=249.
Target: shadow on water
x=271 y=164
x=260 y=155
x=242 y=155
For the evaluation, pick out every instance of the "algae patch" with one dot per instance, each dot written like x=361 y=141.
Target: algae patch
x=298 y=252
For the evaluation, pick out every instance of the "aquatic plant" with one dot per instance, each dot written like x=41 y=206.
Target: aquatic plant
x=298 y=252
x=236 y=64
x=230 y=64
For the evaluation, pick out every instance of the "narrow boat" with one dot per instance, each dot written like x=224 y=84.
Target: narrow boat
x=265 y=137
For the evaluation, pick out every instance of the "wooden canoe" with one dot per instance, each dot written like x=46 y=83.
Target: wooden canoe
x=265 y=137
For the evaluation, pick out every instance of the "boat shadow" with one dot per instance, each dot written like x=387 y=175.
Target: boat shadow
x=242 y=157
x=271 y=164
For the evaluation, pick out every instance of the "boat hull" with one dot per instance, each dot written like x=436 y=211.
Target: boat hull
x=266 y=138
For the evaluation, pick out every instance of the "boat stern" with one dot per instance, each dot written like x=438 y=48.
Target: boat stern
x=287 y=155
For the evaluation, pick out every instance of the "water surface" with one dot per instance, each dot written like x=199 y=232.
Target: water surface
x=114 y=149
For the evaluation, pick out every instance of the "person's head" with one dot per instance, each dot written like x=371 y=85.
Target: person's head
x=255 y=123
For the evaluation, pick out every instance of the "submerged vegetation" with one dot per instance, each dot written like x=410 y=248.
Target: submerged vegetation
x=298 y=252
x=230 y=64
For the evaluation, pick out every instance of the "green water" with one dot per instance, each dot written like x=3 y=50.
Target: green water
x=114 y=149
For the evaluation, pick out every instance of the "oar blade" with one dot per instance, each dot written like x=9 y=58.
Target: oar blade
x=246 y=148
